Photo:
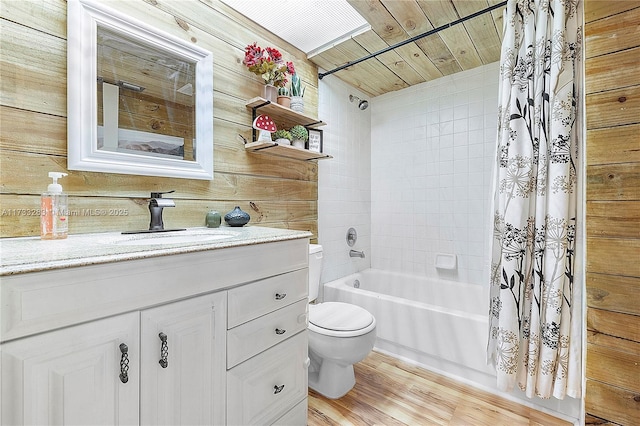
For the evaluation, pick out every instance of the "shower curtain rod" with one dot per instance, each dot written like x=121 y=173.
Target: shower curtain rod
x=412 y=39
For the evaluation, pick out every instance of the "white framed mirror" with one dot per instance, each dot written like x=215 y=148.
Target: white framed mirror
x=139 y=101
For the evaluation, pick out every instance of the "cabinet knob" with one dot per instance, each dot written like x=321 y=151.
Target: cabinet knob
x=280 y=296
x=277 y=389
x=280 y=331
x=124 y=363
x=164 y=350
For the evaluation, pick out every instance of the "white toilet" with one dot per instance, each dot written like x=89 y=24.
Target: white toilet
x=340 y=334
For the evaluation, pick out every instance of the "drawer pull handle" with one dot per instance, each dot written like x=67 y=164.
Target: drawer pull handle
x=277 y=389
x=124 y=363
x=164 y=350
x=280 y=296
x=280 y=331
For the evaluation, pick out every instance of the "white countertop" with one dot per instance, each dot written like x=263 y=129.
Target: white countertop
x=31 y=254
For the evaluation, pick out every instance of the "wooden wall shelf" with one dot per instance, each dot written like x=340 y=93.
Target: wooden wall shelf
x=284 y=118
x=273 y=148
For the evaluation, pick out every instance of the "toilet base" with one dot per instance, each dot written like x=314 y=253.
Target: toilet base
x=332 y=380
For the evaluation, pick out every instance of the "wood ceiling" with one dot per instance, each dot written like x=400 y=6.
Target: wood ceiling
x=461 y=47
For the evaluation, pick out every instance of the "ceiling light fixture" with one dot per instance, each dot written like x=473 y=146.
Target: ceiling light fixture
x=130 y=86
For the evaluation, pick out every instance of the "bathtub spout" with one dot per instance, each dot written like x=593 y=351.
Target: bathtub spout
x=355 y=253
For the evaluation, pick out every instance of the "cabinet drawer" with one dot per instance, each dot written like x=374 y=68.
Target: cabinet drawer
x=262 y=389
x=255 y=336
x=296 y=416
x=253 y=300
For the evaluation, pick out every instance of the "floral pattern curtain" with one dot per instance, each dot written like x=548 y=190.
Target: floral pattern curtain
x=535 y=312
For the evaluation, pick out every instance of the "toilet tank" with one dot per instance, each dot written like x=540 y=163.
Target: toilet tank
x=315 y=267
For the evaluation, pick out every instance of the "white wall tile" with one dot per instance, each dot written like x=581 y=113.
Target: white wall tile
x=446 y=167
x=411 y=173
x=344 y=182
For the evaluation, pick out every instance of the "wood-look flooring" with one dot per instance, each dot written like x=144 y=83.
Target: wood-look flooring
x=392 y=393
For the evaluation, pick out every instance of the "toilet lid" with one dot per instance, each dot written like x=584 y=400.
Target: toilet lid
x=338 y=316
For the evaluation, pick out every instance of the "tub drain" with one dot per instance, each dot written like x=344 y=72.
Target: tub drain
x=356 y=284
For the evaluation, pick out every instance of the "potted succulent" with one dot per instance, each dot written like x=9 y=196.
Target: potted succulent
x=282 y=137
x=299 y=136
x=283 y=97
x=297 y=92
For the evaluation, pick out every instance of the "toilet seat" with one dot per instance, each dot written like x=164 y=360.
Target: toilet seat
x=339 y=319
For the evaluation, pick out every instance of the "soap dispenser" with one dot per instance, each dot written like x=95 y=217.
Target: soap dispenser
x=54 y=223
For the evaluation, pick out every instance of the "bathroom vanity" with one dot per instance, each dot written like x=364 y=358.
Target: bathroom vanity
x=113 y=329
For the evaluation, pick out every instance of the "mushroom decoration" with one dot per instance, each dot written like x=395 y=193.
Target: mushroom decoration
x=265 y=124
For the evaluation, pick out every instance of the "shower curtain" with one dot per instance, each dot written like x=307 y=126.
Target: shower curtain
x=535 y=316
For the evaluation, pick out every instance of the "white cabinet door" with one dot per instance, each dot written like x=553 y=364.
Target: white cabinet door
x=189 y=389
x=71 y=376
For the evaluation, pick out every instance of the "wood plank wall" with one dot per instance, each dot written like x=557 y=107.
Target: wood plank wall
x=276 y=192
x=612 y=50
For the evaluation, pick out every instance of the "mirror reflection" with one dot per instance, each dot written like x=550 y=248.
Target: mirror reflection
x=139 y=100
x=145 y=98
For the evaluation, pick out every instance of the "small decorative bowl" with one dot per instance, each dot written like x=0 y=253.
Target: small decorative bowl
x=237 y=217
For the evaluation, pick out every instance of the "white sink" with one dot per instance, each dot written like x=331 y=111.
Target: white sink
x=194 y=236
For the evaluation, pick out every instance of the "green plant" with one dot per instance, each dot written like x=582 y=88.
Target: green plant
x=283 y=91
x=281 y=134
x=299 y=132
x=296 y=88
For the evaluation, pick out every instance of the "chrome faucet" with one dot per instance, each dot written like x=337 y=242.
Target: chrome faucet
x=156 y=204
x=356 y=253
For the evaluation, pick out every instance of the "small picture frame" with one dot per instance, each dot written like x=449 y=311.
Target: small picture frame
x=315 y=140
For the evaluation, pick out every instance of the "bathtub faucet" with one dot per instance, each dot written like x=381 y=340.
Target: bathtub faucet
x=356 y=253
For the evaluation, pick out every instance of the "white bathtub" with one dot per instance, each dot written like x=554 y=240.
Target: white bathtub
x=437 y=323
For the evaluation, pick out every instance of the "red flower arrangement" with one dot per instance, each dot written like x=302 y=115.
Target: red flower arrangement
x=268 y=64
